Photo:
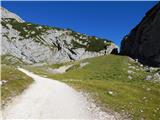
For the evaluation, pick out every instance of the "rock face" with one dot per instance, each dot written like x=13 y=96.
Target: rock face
x=7 y=14
x=143 y=42
x=34 y=43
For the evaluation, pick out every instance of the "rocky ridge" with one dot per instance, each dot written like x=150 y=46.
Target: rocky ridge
x=7 y=14
x=143 y=42
x=33 y=43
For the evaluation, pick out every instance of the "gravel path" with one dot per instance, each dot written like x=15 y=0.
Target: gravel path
x=51 y=99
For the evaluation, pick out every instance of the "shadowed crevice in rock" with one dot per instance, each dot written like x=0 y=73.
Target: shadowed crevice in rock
x=115 y=51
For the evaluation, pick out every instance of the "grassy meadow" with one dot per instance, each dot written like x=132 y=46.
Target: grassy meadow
x=13 y=81
x=107 y=80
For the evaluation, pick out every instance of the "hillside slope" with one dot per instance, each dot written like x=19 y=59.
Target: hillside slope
x=115 y=82
x=13 y=82
x=33 y=43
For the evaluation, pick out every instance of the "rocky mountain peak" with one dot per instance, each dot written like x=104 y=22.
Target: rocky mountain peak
x=33 y=43
x=143 y=42
x=7 y=14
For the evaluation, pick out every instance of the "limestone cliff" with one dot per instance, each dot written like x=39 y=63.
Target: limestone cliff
x=33 y=43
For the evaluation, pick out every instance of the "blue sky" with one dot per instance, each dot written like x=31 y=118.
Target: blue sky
x=110 y=20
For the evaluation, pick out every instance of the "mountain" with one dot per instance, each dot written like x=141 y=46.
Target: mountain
x=33 y=43
x=143 y=42
x=7 y=14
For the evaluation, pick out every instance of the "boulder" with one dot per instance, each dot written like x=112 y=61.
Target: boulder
x=148 y=77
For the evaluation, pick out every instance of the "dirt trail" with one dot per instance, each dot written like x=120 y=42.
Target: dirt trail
x=51 y=99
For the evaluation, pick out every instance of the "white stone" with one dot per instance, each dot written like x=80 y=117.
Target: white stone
x=84 y=64
x=130 y=77
x=130 y=72
x=110 y=92
x=33 y=32
x=132 y=67
x=148 y=77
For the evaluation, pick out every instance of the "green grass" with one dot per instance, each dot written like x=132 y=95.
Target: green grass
x=16 y=82
x=56 y=65
x=92 y=43
x=128 y=98
x=103 y=68
x=96 y=44
x=11 y=60
x=137 y=98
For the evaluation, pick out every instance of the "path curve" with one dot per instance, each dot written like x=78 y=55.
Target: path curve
x=51 y=99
